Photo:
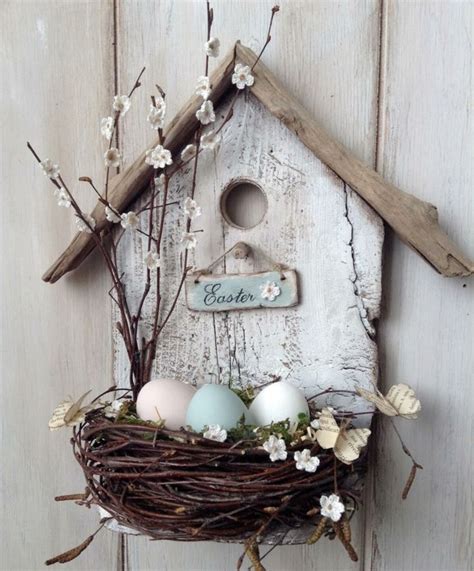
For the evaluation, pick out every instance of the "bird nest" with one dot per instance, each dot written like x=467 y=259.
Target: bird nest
x=181 y=486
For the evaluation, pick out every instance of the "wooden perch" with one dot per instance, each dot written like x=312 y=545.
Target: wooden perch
x=415 y=221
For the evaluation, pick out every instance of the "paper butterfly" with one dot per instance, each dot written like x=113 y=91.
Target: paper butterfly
x=346 y=444
x=400 y=401
x=69 y=413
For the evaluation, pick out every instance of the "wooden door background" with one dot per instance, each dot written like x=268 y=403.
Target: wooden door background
x=392 y=80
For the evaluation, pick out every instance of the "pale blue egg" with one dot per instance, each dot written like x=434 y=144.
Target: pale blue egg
x=216 y=404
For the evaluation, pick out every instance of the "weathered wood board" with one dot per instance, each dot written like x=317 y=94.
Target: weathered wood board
x=413 y=121
x=236 y=292
x=327 y=339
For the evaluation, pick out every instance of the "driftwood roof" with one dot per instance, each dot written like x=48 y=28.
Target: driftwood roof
x=415 y=221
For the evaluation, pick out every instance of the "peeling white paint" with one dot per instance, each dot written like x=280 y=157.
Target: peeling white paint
x=315 y=225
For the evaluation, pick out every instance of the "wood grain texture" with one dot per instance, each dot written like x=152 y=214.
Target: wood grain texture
x=127 y=186
x=426 y=142
x=57 y=82
x=332 y=25
x=56 y=341
x=414 y=221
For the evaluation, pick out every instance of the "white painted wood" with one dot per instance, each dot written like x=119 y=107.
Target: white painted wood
x=57 y=82
x=315 y=50
x=426 y=146
x=56 y=61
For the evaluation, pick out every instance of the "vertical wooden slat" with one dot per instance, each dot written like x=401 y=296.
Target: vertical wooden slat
x=327 y=54
x=426 y=143
x=57 y=74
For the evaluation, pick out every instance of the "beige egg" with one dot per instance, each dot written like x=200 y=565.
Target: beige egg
x=165 y=399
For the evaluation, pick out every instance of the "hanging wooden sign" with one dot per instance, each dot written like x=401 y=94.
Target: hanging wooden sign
x=228 y=292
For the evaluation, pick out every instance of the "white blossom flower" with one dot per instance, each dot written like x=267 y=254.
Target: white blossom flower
x=205 y=114
x=152 y=260
x=129 y=220
x=242 y=76
x=191 y=208
x=188 y=152
x=49 y=168
x=158 y=157
x=107 y=127
x=111 y=215
x=189 y=240
x=331 y=507
x=270 y=291
x=121 y=104
x=212 y=47
x=112 y=409
x=276 y=447
x=112 y=157
x=63 y=197
x=156 y=115
x=211 y=141
x=159 y=182
x=203 y=87
x=315 y=424
x=82 y=226
x=304 y=461
x=215 y=432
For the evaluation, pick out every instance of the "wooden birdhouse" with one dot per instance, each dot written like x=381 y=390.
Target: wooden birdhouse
x=284 y=206
x=270 y=269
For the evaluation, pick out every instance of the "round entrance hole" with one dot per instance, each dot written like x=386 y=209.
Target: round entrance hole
x=243 y=204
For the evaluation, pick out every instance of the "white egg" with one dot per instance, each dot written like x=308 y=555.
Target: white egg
x=278 y=402
x=165 y=399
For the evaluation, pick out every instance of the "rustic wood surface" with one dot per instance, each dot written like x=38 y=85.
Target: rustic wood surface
x=414 y=221
x=413 y=123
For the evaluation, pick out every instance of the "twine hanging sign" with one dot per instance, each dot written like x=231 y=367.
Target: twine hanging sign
x=228 y=292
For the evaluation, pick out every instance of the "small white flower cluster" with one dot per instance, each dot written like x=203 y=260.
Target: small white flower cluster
x=50 y=169
x=112 y=157
x=216 y=433
x=304 y=461
x=191 y=208
x=269 y=291
x=212 y=47
x=129 y=220
x=205 y=114
x=86 y=225
x=158 y=157
x=332 y=507
x=120 y=104
x=62 y=197
x=242 y=76
x=107 y=127
x=152 y=260
x=276 y=448
x=156 y=114
x=189 y=240
x=112 y=215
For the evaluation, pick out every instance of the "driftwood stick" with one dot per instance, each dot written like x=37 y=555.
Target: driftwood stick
x=126 y=187
x=415 y=221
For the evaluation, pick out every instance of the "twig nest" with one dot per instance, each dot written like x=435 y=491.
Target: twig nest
x=277 y=402
x=216 y=404
x=167 y=400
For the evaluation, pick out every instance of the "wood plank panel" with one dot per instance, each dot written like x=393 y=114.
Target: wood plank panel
x=57 y=82
x=426 y=146
x=339 y=38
